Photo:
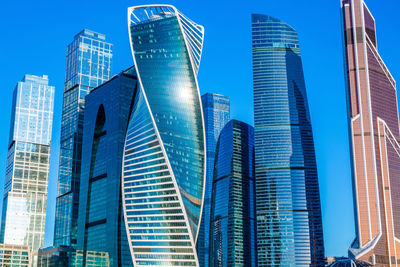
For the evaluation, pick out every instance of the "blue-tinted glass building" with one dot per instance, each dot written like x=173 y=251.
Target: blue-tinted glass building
x=101 y=226
x=288 y=205
x=216 y=110
x=164 y=154
x=88 y=65
x=27 y=172
x=233 y=226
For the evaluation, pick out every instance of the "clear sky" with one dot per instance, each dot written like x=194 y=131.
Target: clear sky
x=34 y=36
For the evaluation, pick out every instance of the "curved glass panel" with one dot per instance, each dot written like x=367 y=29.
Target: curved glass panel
x=164 y=160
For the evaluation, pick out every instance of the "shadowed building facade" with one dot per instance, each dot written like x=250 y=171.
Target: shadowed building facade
x=101 y=227
x=233 y=226
x=216 y=109
x=88 y=64
x=374 y=135
x=289 y=223
x=164 y=155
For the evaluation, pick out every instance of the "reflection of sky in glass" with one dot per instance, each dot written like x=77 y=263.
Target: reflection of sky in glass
x=288 y=201
x=169 y=83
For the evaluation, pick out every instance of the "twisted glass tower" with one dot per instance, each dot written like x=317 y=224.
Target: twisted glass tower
x=164 y=159
x=289 y=224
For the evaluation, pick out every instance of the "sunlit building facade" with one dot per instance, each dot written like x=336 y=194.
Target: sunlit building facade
x=289 y=223
x=216 y=110
x=15 y=255
x=101 y=225
x=88 y=64
x=374 y=140
x=27 y=172
x=164 y=155
x=233 y=225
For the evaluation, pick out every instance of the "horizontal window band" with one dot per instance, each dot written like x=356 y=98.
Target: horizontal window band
x=285 y=168
x=98 y=177
x=95 y=223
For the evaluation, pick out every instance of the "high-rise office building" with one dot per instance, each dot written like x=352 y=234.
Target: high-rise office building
x=216 y=110
x=15 y=255
x=374 y=140
x=164 y=155
x=27 y=173
x=289 y=223
x=101 y=226
x=233 y=226
x=88 y=65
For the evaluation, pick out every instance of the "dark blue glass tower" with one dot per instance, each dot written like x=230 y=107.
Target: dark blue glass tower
x=289 y=222
x=101 y=226
x=216 y=110
x=233 y=226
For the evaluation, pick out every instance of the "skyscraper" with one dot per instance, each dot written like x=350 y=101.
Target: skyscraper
x=27 y=173
x=289 y=223
x=233 y=226
x=216 y=110
x=88 y=65
x=374 y=134
x=164 y=155
x=101 y=226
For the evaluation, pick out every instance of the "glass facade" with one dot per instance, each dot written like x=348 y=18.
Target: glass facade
x=289 y=223
x=164 y=154
x=88 y=64
x=25 y=187
x=101 y=226
x=374 y=133
x=66 y=256
x=233 y=226
x=216 y=110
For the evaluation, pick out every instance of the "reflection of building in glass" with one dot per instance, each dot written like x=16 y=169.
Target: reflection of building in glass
x=289 y=223
x=345 y=262
x=15 y=255
x=216 y=110
x=64 y=256
x=101 y=225
x=164 y=154
x=233 y=230
x=374 y=140
x=92 y=259
x=88 y=65
x=25 y=188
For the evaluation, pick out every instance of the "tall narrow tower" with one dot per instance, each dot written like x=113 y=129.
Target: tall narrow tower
x=27 y=173
x=233 y=230
x=216 y=109
x=164 y=156
x=88 y=65
x=289 y=223
x=374 y=137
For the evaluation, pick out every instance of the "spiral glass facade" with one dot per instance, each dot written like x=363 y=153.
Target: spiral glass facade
x=164 y=155
x=289 y=224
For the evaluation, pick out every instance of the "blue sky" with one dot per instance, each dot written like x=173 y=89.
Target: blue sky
x=35 y=35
